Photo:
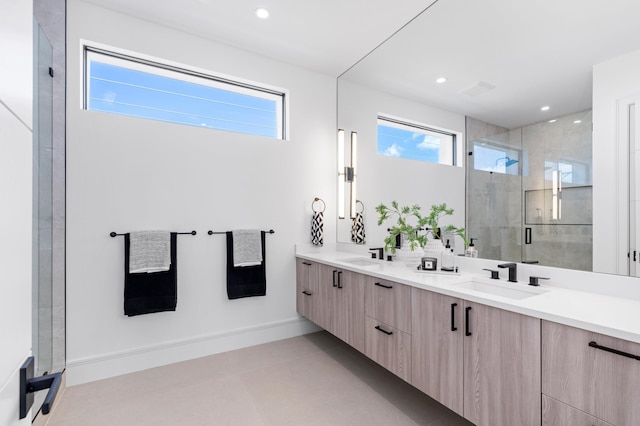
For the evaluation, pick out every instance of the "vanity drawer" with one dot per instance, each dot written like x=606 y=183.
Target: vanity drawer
x=389 y=302
x=555 y=413
x=307 y=296
x=389 y=347
x=579 y=369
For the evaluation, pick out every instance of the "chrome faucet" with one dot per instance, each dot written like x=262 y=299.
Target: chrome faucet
x=513 y=273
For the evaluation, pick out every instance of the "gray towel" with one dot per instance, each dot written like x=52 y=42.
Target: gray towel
x=247 y=247
x=150 y=251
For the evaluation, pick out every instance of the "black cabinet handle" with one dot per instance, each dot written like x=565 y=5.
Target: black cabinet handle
x=307 y=293
x=383 y=286
x=340 y=279
x=467 y=328
x=453 y=317
x=614 y=351
x=306 y=263
x=388 y=333
x=334 y=278
x=527 y=235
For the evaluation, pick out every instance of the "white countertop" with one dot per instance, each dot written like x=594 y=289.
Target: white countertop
x=612 y=315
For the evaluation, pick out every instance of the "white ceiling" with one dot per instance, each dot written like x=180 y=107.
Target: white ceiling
x=535 y=53
x=326 y=35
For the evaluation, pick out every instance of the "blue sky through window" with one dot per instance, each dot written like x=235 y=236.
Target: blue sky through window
x=415 y=142
x=122 y=90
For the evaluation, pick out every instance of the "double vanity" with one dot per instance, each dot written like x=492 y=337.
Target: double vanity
x=493 y=351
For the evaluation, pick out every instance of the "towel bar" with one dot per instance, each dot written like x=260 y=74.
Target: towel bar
x=113 y=234
x=270 y=231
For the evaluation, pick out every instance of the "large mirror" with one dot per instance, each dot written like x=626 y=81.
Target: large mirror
x=525 y=84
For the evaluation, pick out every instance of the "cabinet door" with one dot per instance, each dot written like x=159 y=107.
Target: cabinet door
x=436 y=347
x=389 y=302
x=555 y=413
x=307 y=295
x=593 y=380
x=341 y=306
x=501 y=367
x=389 y=347
x=349 y=315
x=327 y=289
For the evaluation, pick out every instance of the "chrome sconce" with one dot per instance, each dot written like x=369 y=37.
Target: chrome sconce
x=347 y=174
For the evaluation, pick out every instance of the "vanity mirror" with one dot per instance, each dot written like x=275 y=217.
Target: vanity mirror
x=532 y=189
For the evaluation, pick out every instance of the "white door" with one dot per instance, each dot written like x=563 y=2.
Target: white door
x=16 y=59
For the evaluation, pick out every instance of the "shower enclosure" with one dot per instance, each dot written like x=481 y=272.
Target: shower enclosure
x=42 y=203
x=529 y=191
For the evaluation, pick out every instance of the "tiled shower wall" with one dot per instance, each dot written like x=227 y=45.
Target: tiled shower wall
x=496 y=201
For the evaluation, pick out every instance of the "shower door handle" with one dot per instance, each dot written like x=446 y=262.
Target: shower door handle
x=30 y=384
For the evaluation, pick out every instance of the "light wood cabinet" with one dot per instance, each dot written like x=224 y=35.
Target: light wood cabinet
x=555 y=413
x=389 y=302
x=437 y=347
x=388 y=325
x=492 y=366
x=341 y=310
x=307 y=296
x=481 y=362
x=501 y=367
x=388 y=346
x=594 y=373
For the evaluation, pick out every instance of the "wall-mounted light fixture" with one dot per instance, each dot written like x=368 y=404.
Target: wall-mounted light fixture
x=347 y=174
x=556 y=195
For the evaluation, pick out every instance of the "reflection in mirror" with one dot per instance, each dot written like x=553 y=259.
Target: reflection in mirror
x=529 y=191
x=384 y=178
x=511 y=68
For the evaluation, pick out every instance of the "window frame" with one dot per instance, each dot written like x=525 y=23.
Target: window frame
x=169 y=69
x=404 y=124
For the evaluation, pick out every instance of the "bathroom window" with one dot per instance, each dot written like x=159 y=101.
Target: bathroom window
x=494 y=157
x=122 y=84
x=402 y=139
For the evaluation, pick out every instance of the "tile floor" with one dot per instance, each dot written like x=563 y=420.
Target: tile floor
x=308 y=380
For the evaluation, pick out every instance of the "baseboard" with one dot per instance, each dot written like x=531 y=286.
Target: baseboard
x=85 y=370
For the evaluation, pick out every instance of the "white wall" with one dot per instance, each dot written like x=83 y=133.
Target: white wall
x=16 y=88
x=383 y=179
x=614 y=82
x=127 y=174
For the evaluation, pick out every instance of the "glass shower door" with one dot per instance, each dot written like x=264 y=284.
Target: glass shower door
x=494 y=187
x=557 y=192
x=42 y=204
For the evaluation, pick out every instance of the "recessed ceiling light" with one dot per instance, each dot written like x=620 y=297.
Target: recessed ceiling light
x=544 y=108
x=553 y=121
x=262 y=13
x=441 y=80
x=577 y=122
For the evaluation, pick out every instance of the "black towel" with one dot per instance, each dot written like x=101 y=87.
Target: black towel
x=245 y=281
x=150 y=292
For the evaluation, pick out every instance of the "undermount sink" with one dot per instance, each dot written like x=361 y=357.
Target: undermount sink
x=361 y=262
x=507 y=290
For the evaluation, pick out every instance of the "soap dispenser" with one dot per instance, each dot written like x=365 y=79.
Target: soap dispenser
x=471 y=250
x=447 y=258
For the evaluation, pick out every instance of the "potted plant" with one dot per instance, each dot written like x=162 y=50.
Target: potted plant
x=403 y=216
x=433 y=221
